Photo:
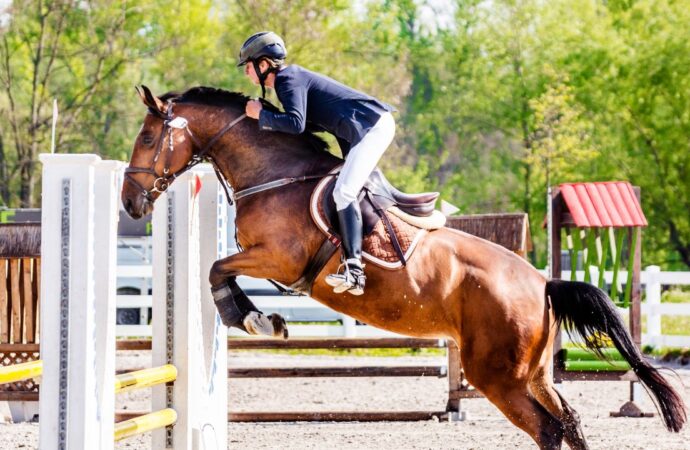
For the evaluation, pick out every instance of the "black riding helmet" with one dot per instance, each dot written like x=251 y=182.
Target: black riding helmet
x=264 y=44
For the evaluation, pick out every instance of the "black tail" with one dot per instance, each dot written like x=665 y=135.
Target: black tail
x=587 y=311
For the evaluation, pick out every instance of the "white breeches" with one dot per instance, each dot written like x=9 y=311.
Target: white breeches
x=362 y=160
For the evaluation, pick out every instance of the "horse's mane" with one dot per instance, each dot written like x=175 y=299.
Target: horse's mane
x=222 y=98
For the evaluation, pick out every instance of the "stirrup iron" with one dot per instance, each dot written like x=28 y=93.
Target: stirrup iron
x=349 y=277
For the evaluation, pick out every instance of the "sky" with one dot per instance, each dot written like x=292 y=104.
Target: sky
x=4 y=17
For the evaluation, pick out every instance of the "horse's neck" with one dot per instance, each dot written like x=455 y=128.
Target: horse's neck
x=247 y=160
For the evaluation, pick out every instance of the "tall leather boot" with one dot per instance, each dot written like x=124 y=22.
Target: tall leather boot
x=352 y=278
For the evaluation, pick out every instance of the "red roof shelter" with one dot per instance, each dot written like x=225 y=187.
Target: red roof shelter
x=603 y=204
x=591 y=218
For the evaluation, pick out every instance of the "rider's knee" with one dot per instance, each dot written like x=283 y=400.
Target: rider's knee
x=343 y=196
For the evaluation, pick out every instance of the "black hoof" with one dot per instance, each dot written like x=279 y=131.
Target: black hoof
x=279 y=326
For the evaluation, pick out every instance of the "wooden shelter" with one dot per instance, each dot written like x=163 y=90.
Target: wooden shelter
x=511 y=230
x=603 y=222
x=20 y=266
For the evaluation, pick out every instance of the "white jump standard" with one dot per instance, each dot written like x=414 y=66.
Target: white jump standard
x=79 y=223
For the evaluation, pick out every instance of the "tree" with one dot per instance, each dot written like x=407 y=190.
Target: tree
x=83 y=53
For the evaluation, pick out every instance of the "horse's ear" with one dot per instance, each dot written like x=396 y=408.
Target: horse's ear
x=150 y=100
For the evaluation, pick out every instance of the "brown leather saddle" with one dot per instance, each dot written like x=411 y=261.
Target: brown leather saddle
x=388 y=240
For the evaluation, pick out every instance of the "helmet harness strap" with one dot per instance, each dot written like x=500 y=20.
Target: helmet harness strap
x=262 y=76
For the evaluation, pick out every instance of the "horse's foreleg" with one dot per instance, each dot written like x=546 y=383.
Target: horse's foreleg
x=234 y=307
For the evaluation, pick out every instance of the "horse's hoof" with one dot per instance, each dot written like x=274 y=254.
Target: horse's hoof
x=279 y=326
x=273 y=325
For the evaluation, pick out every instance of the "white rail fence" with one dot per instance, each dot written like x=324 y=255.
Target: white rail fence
x=303 y=308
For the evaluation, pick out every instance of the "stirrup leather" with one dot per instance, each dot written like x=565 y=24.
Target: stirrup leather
x=349 y=277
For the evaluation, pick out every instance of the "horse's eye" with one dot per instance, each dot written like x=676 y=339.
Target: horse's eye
x=147 y=139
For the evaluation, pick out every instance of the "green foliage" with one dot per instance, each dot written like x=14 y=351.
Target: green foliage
x=676 y=296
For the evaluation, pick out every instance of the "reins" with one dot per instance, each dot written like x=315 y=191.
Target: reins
x=278 y=183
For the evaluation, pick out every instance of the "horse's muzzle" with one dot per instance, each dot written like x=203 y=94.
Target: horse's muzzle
x=134 y=202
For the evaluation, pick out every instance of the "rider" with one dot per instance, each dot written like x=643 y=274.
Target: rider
x=362 y=125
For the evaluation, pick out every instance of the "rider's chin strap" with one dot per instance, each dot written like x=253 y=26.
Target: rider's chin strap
x=262 y=77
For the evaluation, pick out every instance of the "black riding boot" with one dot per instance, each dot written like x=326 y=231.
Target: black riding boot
x=352 y=278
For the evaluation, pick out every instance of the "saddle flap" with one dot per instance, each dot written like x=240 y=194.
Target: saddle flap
x=377 y=244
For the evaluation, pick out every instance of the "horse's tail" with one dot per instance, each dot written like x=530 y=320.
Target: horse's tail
x=587 y=311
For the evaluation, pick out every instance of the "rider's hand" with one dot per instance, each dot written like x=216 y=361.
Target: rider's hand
x=253 y=109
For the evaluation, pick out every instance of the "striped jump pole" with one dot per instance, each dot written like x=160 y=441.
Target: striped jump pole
x=140 y=379
x=142 y=424
x=20 y=372
x=125 y=382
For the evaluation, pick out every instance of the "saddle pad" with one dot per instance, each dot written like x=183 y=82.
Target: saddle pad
x=377 y=247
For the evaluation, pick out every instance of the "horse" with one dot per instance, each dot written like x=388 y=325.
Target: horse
x=499 y=310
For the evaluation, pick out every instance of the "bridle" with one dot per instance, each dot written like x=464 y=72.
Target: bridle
x=163 y=181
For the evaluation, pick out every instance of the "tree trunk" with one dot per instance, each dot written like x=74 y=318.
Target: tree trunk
x=682 y=249
x=4 y=177
x=26 y=180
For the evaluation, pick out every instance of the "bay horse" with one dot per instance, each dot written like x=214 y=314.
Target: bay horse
x=500 y=311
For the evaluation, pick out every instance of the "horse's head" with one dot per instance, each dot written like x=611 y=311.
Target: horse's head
x=163 y=149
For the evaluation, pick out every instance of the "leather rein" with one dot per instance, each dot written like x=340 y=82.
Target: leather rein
x=163 y=181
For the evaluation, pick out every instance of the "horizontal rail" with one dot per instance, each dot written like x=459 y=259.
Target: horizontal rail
x=134 y=301
x=337 y=416
x=19 y=348
x=305 y=343
x=144 y=423
x=20 y=372
x=18 y=396
x=323 y=416
x=133 y=344
x=365 y=371
x=134 y=271
x=145 y=378
x=333 y=343
x=585 y=375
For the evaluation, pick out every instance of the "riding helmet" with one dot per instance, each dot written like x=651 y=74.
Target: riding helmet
x=264 y=44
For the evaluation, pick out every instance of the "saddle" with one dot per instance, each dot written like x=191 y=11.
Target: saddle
x=393 y=224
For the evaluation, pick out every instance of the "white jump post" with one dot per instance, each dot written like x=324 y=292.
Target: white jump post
x=653 y=296
x=79 y=217
x=76 y=405
x=186 y=228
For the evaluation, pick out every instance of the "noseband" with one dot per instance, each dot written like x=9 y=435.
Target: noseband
x=163 y=181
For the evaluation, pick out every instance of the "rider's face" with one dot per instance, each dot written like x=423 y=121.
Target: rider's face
x=251 y=73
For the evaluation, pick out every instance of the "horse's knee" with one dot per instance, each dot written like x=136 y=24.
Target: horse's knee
x=217 y=275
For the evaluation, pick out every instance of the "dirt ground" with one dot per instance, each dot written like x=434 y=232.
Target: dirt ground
x=485 y=427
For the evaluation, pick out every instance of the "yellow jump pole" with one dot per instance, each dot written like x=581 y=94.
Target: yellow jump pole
x=145 y=378
x=19 y=372
x=147 y=422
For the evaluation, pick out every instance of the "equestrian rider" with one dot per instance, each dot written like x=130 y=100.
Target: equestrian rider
x=362 y=125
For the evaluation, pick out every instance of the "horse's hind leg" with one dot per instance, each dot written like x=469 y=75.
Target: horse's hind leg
x=544 y=391
x=512 y=396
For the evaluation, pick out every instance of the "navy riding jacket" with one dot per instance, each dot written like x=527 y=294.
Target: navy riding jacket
x=307 y=96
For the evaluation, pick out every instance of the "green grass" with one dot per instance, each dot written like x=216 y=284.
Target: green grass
x=675 y=296
x=671 y=325
x=370 y=352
